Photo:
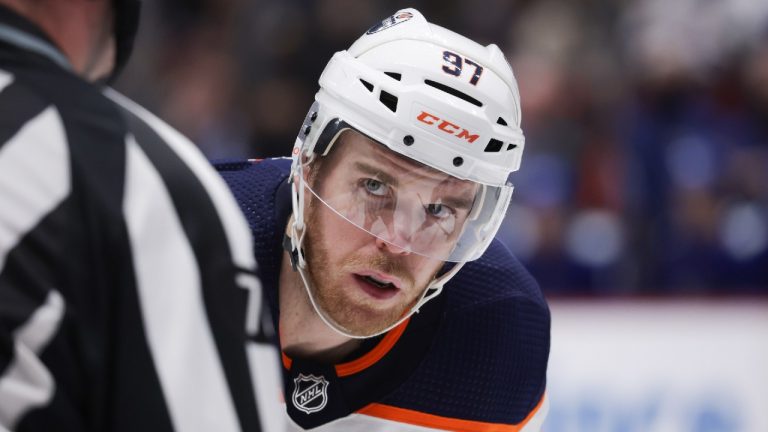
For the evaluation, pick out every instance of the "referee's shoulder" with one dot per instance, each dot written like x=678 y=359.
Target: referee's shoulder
x=80 y=104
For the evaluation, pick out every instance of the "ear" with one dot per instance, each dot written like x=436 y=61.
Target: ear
x=305 y=172
x=310 y=169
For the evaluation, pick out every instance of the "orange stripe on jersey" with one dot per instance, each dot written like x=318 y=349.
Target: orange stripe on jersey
x=368 y=359
x=386 y=344
x=417 y=418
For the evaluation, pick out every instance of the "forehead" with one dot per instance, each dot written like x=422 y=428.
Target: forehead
x=353 y=147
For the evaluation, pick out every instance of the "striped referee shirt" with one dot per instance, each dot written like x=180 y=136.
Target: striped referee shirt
x=128 y=298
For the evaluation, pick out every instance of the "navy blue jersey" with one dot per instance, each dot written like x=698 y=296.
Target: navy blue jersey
x=474 y=358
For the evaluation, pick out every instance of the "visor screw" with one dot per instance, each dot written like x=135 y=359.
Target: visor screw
x=408 y=140
x=307 y=128
x=457 y=161
x=313 y=116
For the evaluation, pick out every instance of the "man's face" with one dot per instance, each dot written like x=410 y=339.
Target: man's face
x=367 y=282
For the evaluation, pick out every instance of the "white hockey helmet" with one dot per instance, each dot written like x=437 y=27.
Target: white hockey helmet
x=428 y=95
x=433 y=96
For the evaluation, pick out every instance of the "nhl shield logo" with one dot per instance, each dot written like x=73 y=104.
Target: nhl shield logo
x=310 y=393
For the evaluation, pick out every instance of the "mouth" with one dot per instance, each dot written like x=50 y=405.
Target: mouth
x=377 y=285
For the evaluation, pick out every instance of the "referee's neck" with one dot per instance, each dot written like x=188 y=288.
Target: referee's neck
x=82 y=31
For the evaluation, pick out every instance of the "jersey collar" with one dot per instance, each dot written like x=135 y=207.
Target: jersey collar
x=22 y=33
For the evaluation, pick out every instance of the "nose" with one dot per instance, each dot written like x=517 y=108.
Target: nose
x=401 y=231
x=391 y=248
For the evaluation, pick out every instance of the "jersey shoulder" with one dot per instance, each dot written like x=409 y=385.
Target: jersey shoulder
x=256 y=185
x=251 y=175
x=262 y=192
x=495 y=276
x=79 y=103
x=487 y=363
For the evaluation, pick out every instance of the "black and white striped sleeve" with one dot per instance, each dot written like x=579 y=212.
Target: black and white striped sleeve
x=128 y=293
x=34 y=181
x=152 y=144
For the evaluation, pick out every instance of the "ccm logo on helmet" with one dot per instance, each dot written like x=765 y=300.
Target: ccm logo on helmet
x=446 y=126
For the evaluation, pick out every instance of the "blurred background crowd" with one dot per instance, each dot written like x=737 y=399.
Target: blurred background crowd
x=646 y=121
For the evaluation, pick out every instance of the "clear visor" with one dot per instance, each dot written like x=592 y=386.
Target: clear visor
x=410 y=206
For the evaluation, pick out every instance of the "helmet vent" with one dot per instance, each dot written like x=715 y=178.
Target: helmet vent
x=394 y=75
x=453 y=92
x=389 y=100
x=501 y=121
x=511 y=147
x=367 y=85
x=493 y=146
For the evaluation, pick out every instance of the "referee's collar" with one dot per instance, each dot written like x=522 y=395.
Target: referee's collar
x=11 y=18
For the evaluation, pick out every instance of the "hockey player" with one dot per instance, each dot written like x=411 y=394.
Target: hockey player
x=396 y=187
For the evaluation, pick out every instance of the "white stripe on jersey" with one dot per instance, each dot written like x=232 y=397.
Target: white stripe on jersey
x=26 y=383
x=5 y=79
x=238 y=233
x=268 y=386
x=362 y=422
x=264 y=361
x=537 y=421
x=38 y=158
x=173 y=310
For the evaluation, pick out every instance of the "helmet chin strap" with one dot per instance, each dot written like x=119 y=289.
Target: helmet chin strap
x=293 y=244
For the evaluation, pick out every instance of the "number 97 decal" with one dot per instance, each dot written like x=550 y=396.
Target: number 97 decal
x=455 y=64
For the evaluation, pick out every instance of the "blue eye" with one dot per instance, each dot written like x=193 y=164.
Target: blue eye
x=375 y=187
x=438 y=210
